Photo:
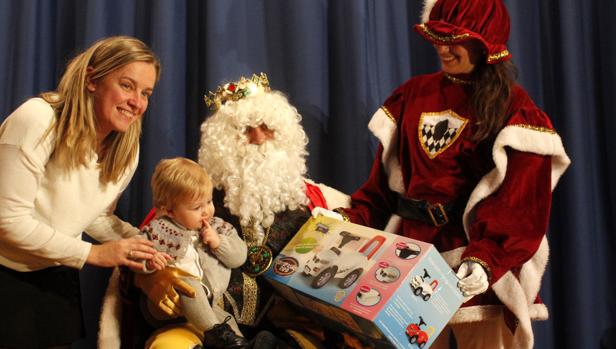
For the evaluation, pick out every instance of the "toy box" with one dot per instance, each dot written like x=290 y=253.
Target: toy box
x=396 y=291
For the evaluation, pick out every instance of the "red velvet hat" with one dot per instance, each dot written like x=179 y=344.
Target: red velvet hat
x=447 y=22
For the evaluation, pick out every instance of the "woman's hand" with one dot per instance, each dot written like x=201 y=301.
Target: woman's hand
x=128 y=252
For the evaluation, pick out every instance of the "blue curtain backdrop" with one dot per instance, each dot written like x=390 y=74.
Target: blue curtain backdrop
x=337 y=61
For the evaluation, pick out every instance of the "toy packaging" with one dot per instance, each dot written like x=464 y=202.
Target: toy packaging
x=396 y=291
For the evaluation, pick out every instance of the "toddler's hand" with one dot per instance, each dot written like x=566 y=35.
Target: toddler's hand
x=209 y=237
x=158 y=262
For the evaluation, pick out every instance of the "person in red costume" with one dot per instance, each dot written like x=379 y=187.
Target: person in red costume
x=468 y=163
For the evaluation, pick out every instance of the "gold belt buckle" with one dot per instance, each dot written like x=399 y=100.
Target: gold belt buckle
x=438 y=221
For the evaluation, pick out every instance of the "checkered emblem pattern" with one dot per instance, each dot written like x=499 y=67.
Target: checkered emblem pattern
x=437 y=131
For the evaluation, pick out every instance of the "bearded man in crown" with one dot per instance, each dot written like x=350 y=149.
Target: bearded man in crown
x=254 y=148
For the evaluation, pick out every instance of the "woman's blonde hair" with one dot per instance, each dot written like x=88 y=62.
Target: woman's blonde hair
x=179 y=179
x=75 y=125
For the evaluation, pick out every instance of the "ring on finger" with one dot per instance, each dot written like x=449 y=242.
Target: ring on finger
x=130 y=254
x=169 y=303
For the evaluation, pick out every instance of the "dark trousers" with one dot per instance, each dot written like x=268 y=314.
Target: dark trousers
x=40 y=309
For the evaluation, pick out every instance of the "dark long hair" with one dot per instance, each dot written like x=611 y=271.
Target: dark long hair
x=491 y=97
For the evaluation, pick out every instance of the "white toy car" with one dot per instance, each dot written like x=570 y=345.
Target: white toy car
x=421 y=287
x=336 y=262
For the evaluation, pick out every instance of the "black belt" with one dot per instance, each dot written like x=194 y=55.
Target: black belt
x=422 y=210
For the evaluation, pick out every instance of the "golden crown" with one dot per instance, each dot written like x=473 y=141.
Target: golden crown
x=234 y=91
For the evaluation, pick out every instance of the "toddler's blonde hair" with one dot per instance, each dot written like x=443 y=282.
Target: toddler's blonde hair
x=178 y=179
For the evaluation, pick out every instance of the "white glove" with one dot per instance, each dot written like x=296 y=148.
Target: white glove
x=473 y=279
x=320 y=211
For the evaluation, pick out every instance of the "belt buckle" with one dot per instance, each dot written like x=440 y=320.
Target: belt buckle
x=437 y=214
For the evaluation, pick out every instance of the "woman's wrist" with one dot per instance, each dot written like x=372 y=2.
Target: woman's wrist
x=94 y=255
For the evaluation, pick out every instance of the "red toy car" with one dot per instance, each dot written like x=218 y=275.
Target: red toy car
x=416 y=334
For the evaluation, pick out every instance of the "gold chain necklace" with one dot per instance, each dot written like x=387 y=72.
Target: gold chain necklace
x=458 y=80
x=259 y=255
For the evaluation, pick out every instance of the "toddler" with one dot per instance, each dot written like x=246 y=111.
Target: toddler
x=189 y=237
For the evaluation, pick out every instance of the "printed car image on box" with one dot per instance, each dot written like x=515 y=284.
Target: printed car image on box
x=399 y=292
x=346 y=264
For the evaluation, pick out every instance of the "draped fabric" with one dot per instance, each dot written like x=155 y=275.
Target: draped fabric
x=337 y=61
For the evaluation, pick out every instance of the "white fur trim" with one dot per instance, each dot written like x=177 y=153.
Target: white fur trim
x=385 y=129
x=453 y=257
x=538 y=312
x=476 y=313
x=109 y=322
x=533 y=270
x=427 y=8
x=519 y=294
x=393 y=224
x=509 y=290
x=522 y=139
x=486 y=312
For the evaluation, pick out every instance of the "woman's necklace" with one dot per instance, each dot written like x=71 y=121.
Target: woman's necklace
x=458 y=80
x=259 y=257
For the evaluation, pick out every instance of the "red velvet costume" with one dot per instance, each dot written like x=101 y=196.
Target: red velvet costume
x=505 y=183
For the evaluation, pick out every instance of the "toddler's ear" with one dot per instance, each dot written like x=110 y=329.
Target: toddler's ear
x=163 y=211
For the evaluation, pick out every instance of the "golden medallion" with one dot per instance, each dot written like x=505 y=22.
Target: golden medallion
x=258 y=261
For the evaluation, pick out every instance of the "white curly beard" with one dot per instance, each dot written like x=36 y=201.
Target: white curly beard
x=263 y=182
x=259 y=180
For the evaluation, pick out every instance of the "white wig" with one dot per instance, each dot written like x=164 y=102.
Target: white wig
x=259 y=180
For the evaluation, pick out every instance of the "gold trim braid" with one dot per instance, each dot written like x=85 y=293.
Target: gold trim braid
x=452 y=114
x=496 y=56
x=249 y=310
x=480 y=262
x=442 y=38
x=457 y=80
x=535 y=128
x=391 y=117
x=249 y=305
x=450 y=39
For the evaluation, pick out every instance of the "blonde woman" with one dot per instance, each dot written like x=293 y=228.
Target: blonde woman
x=65 y=158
